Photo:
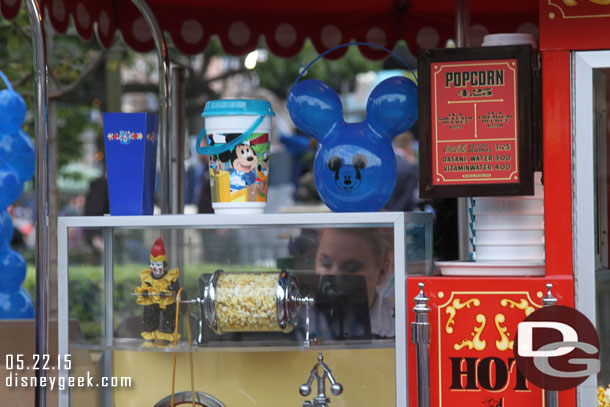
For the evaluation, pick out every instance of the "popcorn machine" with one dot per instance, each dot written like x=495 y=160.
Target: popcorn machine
x=262 y=304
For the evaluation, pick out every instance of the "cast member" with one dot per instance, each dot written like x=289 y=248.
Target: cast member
x=366 y=252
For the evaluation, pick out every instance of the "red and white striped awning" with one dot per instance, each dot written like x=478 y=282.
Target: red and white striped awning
x=285 y=24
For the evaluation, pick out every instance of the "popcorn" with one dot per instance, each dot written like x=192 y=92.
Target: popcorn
x=246 y=302
x=603 y=397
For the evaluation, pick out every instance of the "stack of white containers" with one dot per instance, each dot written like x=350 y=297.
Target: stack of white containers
x=509 y=229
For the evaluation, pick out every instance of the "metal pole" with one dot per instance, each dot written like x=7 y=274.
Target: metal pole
x=42 y=191
x=163 y=54
x=462 y=23
x=463 y=220
x=177 y=145
x=462 y=39
x=420 y=336
x=108 y=235
x=550 y=397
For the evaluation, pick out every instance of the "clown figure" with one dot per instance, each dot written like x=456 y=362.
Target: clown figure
x=158 y=295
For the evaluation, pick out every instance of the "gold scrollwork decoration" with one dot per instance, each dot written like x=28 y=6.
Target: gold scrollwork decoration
x=476 y=343
x=572 y=3
x=504 y=343
x=522 y=305
x=452 y=310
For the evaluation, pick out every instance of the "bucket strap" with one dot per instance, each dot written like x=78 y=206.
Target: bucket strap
x=304 y=70
x=6 y=81
x=221 y=148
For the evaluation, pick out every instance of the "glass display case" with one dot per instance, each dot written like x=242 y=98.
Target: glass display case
x=259 y=301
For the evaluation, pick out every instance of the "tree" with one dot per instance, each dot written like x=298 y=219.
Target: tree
x=277 y=74
x=72 y=66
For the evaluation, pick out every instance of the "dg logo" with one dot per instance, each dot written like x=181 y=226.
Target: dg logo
x=557 y=348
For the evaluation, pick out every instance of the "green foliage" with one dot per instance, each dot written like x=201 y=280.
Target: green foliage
x=16 y=55
x=277 y=74
x=71 y=122
x=67 y=58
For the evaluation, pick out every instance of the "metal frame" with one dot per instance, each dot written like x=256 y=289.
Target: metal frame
x=108 y=235
x=583 y=181
x=601 y=160
x=42 y=164
x=163 y=64
x=42 y=189
x=420 y=336
x=397 y=219
x=462 y=35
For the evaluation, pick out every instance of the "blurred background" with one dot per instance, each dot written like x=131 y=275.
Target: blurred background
x=86 y=80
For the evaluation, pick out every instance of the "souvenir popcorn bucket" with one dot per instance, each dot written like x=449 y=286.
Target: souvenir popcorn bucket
x=237 y=137
x=131 y=153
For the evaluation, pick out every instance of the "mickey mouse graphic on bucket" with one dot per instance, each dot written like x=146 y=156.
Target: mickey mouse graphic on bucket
x=237 y=136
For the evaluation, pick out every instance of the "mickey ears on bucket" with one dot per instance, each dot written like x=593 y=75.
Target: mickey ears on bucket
x=315 y=108
x=392 y=106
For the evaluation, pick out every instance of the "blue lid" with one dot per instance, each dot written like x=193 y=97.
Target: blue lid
x=237 y=107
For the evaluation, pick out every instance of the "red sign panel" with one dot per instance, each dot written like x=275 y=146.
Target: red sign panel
x=474 y=122
x=472 y=329
x=574 y=25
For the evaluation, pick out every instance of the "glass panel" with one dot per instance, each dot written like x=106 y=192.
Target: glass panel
x=601 y=95
x=346 y=271
x=418 y=243
x=86 y=285
x=86 y=311
x=254 y=345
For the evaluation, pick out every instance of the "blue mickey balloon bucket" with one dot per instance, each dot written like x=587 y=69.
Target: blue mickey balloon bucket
x=131 y=156
x=355 y=167
x=17 y=162
x=236 y=138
